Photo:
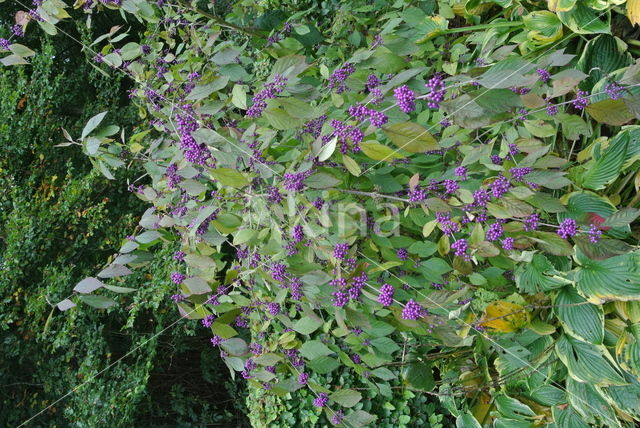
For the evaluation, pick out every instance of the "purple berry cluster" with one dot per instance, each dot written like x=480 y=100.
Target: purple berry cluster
x=340 y=251
x=568 y=228
x=614 y=90
x=581 y=100
x=412 y=310
x=360 y=112
x=271 y=90
x=544 y=75
x=295 y=181
x=321 y=400
x=336 y=81
x=385 y=298
x=437 y=91
x=460 y=247
x=405 y=98
x=177 y=278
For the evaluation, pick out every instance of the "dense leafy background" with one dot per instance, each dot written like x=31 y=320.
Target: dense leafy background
x=509 y=296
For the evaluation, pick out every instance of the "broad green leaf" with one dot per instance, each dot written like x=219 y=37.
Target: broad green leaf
x=411 y=137
x=615 y=278
x=322 y=180
x=544 y=27
x=587 y=363
x=324 y=364
x=623 y=217
x=512 y=408
x=229 y=177
x=21 y=50
x=359 y=419
x=579 y=318
x=313 y=349
x=583 y=20
x=346 y=397
x=420 y=376
x=507 y=73
x=537 y=276
x=307 y=325
x=566 y=417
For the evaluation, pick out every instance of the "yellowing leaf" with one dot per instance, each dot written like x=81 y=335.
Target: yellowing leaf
x=411 y=137
x=633 y=11
x=377 y=151
x=611 y=112
x=504 y=317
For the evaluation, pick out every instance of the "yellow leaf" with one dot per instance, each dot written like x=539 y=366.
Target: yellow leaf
x=504 y=317
x=633 y=11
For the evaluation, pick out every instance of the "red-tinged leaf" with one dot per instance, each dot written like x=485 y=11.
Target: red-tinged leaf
x=593 y=218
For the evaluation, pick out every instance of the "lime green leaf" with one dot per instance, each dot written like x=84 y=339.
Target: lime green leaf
x=587 y=363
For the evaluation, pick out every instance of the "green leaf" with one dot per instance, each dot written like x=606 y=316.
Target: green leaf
x=117 y=289
x=379 y=152
x=420 y=376
x=327 y=150
x=512 y=408
x=411 y=137
x=197 y=285
x=507 y=73
x=611 y=112
x=307 y=325
x=239 y=97
x=93 y=124
x=235 y=346
x=229 y=177
x=201 y=92
x=322 y=180
x=359 y=419
x=583 y=20
x=324 y=364
x=579 y=318
x=466 y=420
x=346 y=397
x=313 y=349
x=100 y=302
x=607 y=167
x=12 y=60
x=566 y=417
x=615 y=278
x=587 y=363
x=21 y=50
x=539 y=128
x=623 y=217
x=538 y=275
x=553 y=244
x=351 y=165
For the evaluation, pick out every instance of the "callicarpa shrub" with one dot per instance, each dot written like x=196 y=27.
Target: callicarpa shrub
x=436 y=205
